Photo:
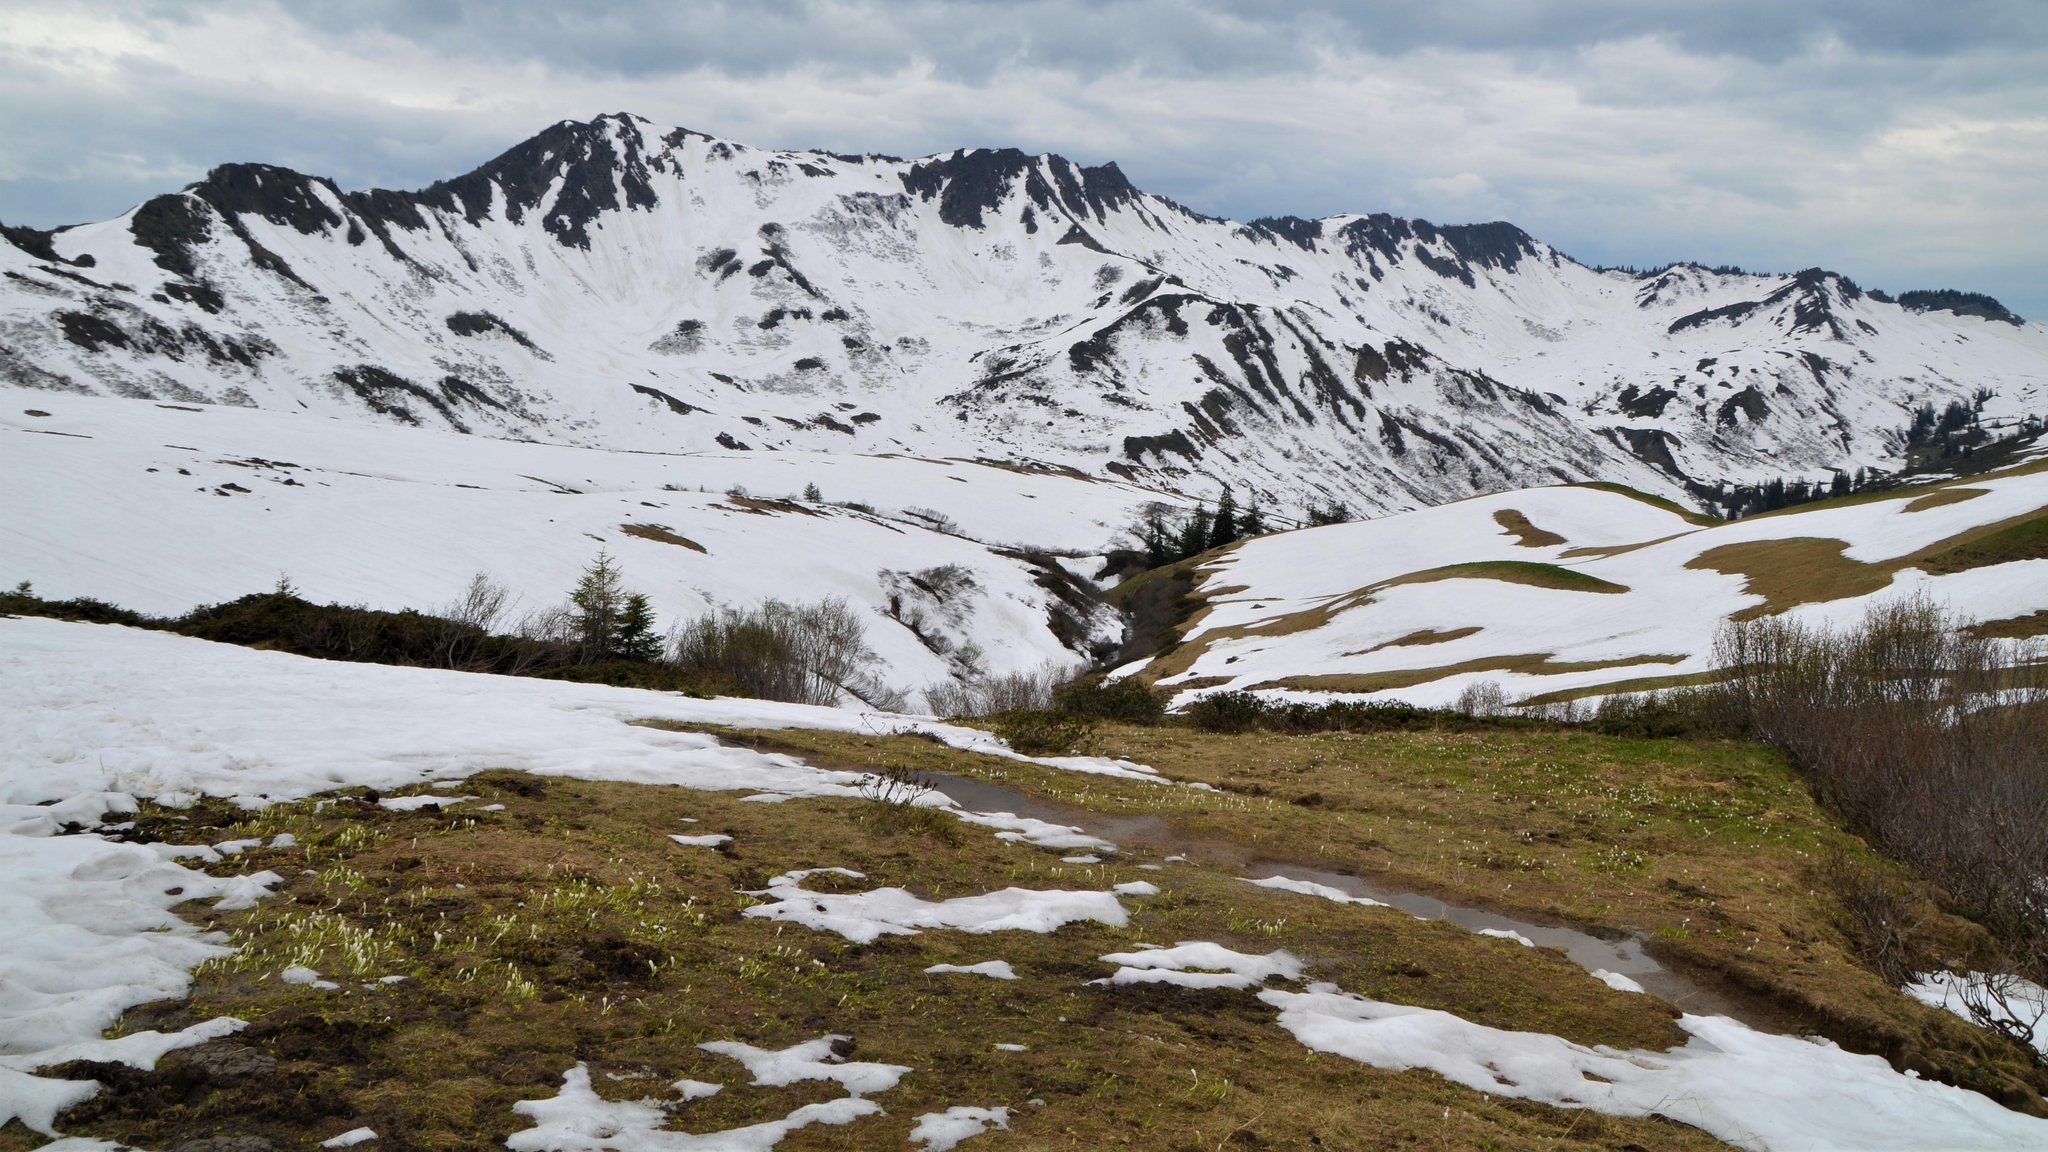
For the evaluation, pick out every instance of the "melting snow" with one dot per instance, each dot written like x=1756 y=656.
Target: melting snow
x=941 y=1131
x=1752 y=1089
x=998 y=969
x=864 y=916
x=810 y=1060
x=579 y=1120
x=1197 y=964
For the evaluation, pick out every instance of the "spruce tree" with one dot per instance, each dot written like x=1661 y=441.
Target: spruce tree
x=595 y=606
x=1194 y=535
x=1252 y=523
x=1223 y=530
x=633 y=635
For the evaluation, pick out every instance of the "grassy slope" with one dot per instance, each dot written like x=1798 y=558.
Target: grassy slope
x=569 y=928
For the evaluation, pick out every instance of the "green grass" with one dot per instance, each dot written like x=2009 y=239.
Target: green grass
x=2023 y=539
x=1690 y=516
x=569 y=928
x=1528 y=572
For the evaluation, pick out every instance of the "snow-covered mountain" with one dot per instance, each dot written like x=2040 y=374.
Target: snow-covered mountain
x=613 y=284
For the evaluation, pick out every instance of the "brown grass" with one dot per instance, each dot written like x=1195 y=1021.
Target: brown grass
x=1688 y=514
x=1535 y=664
x=1600 y=552
x=1527 y=535
x=1709 y=846
x=1425 y=636
x=661 y=534
x=1942 y=498
x=769 y=507
x=1792 y=571
x=1641 y=684
x=2023 y=537
x=632 y=951
x=2013 y=627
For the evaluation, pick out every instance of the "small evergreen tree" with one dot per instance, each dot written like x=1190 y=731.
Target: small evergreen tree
x=1333 y=513
x=633 y=636
x=1194 y=534
x=812 y=494
x=1253 y=522
x=1160 y=545
x=1224 y=528
x=595 y=606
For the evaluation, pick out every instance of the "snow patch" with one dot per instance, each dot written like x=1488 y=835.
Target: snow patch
x=943 y=1131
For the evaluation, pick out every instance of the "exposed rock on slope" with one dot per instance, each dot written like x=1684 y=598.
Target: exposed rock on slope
x=614 y=284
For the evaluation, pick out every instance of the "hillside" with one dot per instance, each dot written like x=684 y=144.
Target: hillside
x=163 y=507
x=470 y=911
x=619 y=285
x=1557 y=593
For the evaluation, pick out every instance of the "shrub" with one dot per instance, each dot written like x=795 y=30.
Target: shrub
x=1041 y=733
x=802 y=653
x=1691 y=712
x=1482 y=698
x=1226 y=712
x=1926 y=740
x=23 y=601
x=1127 y=701
x=988 y=695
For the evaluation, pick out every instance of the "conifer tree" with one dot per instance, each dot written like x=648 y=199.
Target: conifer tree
x=595 y=606
x=1224 y=529
x=1253 y=522
x=1194 y=535
x=633 y=636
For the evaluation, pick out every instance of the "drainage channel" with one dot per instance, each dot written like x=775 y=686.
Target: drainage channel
x=1623 y=956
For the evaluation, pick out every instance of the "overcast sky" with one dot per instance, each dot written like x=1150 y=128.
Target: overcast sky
x=1901 y=142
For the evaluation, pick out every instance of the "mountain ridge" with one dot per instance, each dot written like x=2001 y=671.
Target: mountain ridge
x=599 y=280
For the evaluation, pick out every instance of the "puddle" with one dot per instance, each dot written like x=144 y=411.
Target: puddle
x=1625 y=956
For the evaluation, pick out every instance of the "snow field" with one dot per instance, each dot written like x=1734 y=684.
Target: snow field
x=1665 y=620
x=399 y=519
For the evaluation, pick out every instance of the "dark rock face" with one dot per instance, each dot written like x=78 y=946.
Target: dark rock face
x=1732 y=312
x=971 y=183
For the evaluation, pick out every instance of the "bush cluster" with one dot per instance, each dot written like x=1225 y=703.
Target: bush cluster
x=1245 y=712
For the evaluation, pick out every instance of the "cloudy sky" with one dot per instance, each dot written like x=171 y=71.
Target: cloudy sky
x=1902 y=142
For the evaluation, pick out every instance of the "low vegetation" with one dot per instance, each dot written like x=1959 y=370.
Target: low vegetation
x=568 y=927
x=1931 y=742
x=1715 y=849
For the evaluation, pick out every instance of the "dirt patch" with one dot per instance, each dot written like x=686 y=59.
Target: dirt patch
x=1535 y=664
x=660 y=534
x=1526 y=534
x=1425 y=636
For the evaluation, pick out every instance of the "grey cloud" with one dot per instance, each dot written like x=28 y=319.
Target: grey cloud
x=963 y=38
x=1624 y=131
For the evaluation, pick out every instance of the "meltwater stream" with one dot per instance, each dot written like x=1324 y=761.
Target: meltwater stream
x=1624 y=956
